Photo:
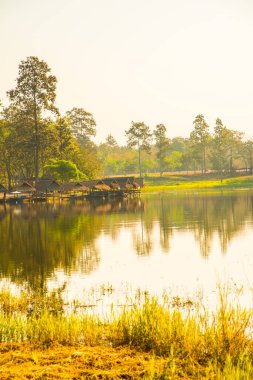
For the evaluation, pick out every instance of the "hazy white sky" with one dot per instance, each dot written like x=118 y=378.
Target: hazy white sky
x=157 y=61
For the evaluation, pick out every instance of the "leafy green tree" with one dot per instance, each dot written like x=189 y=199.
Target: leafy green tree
x=34 y=94
x=106 y=149
x=139 y=135
x=122 y=161
x=17 y=146
x=220 y=146
x=8 y=157
x=48 y=141
x=174 y=161
x=200 y=139
x=179 y=143
x=64 y=170
x=247 y=153
x=111 y=142
x=64 y=137
x=162 y=144
x=187 y=157
x=83 y=125
x=88 y=162
x=235 y=146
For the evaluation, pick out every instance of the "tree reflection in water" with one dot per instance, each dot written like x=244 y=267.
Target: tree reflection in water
x=39 y=239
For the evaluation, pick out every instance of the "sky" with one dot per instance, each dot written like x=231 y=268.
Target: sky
x=156 y=61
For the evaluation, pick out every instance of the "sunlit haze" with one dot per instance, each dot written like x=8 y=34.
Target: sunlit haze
x=157 y=61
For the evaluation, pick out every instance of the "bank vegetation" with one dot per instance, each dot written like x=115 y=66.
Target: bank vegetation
x=147 y=338
x=37 y=140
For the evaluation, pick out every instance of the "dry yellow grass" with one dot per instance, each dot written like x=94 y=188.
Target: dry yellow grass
x=23 y=361
x=151 y=340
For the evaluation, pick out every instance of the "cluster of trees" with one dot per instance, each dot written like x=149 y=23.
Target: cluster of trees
x=36 y=140
x=224 y=150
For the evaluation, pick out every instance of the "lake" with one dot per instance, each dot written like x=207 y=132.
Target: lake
x=181 y=243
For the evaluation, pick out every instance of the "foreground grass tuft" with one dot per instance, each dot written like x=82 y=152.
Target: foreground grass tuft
x=160 y=340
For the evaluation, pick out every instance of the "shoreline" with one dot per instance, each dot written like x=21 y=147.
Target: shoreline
x=152 y=340
x=196 y=183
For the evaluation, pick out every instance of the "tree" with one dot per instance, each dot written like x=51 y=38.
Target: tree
x=234 y=146
x=64 y=170
x=64 y=136
x=179 y=143
x=88 y=161
x=188 y=159
x=48 y=141
x=82 y=125
x=34 y=93
x=174 y=160
x=247 y=153
x=162 y=144
x=111 y=142
x=200 y=139
x=8 y=157
x=220 y=146
x=107 y=148
x=139 y=135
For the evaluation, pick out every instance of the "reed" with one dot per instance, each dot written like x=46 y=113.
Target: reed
x=192 y=341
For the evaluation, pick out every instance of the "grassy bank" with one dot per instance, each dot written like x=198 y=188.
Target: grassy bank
x=154 y=183
x=151 y=340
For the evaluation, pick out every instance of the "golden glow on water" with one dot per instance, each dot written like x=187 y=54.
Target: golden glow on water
x=180 y=271
x=183 y=245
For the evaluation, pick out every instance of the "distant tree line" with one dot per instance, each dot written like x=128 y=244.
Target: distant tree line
x=224 y=150
x=37 y=141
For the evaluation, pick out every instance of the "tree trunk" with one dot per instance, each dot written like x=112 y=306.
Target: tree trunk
x=8 y=171
x=204 y=159
x=231 y=161
x=139 y=151
x=9 y=180
x=36 y=127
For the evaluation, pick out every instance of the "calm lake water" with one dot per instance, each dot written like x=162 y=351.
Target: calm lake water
x=179 y=243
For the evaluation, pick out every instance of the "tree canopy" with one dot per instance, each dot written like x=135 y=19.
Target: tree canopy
x=36 y=139
x=34 y=93
x=139 y=135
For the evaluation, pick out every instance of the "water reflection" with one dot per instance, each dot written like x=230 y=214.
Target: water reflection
x=38 y=239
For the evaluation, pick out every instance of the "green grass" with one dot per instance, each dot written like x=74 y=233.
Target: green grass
x=192 y=182
x=194 y=342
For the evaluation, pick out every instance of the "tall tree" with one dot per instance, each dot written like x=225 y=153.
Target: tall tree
x=19 y=144
x=220 y=146
x=162 y=144
x=111 y=142
x=139 y=135
x=179 y=143
x=200 y=138
x=247 y=153
x=8 y=157
x=235 y=145
x=188 y=160
x=48 y=142
x=64 y=136
x=83 y=125
x=34 y=93
x=175 y=160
